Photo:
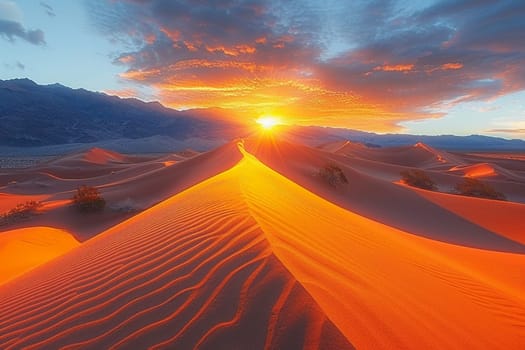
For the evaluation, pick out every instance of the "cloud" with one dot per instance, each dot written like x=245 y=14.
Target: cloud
x=355 y=64
x=507 y=131
x=16 y=65
x=10 y=11
x=10 y=30
x=11 y=26
x=48 y=9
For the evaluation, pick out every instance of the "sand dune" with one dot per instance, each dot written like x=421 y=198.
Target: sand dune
x=93 y=155
x=132 y=187
x=195 y=271
x=487 y=170
x=372 y=193
x=475 y=170
x=385 y=288
x=504 y=218
x=102 y=156
x=418 y=155
x=9 y=201
x=24 y=249
x=347 y=147
x=249 y=259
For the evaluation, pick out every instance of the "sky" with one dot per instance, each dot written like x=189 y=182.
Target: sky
x=423 y=67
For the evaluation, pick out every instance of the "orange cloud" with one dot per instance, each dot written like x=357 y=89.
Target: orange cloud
x=236 y=51
x=127 y=59
x=150 y=39
x=174 y=35
x=261 y=59
x=297 y=101
x=124 y=93
x=454 y=65
x=246 y=49
x=395 y=68
x=139 y=75
x=190 y=46
x=202 y=63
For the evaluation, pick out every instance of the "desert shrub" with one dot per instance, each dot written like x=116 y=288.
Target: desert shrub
x=476 y=188
x=418 y=178
x=88 y=199
x=21 y=211
x=333 y=175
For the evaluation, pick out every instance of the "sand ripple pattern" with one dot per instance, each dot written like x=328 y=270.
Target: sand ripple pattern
x=194 y=272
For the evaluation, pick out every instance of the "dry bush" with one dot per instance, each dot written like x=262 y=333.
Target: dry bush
x=88 y=199
x=20 y=212
x=333 y=175
x=418 y=178
x=475 y=188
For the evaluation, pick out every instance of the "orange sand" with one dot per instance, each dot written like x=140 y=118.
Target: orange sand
x=141 y=182
x=371 y=192
x=249 y=259
x=384 y=288
x=476 y=170
x=195 y=271
x=9 y=201
x=102 y=156
x=504 y=218
x=23 y=249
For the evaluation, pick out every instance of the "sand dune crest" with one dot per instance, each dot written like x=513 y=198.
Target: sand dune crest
x=195 y=271
x=250 y=259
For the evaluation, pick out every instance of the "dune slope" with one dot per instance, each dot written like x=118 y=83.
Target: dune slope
x=384 y=288
x=249 y=259
x=25 y=248
x=133 y=186
x=372 y=192
x=504 y=218
x=194 y=272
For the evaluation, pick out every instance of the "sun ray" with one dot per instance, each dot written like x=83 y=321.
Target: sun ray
x=268 y=122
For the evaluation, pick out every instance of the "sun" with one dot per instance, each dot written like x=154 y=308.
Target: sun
x=268 y=122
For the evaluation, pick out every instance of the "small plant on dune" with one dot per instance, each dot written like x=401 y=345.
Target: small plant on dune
x=475 y=188
x=333 y=174
x=418 y=178
x=88 y=199
x=20 y=212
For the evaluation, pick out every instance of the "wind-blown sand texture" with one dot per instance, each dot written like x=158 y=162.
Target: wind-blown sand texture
x=251 y=259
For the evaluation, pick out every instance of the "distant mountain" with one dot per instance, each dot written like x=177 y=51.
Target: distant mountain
x=43 y=115
x=61 y=118
x=315 y=136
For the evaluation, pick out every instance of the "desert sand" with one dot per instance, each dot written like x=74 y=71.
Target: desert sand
x=247 y=247
x=23 y=249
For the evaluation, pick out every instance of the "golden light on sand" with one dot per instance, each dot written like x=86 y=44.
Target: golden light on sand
x=268 y=122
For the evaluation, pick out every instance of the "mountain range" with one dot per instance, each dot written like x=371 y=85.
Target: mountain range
x=55 y=117
x=44 y=115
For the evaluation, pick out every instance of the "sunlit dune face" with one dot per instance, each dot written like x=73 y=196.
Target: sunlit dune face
x=268 y=122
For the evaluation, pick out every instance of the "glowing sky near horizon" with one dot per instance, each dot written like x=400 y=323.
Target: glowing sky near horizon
x=426 y=67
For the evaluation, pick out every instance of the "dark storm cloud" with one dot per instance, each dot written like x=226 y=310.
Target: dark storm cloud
x=11 y=30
